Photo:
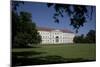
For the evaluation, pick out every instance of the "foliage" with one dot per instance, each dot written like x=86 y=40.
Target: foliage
x=89 y=38
x=77 y=13
x=16 y=4
x=24 y=31
x=79 y=39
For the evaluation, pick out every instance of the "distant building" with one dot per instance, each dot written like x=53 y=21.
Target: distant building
x=55 y=36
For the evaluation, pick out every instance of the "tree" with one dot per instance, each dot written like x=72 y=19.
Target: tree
x=79 y=39
x=77 y=13
x=91 y=36
x=24 y=31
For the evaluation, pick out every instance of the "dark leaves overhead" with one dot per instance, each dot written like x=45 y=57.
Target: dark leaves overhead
x=16 y=4
x=76 y=13
x=49 y=4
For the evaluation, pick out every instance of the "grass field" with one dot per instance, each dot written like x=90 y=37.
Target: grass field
x=53 y=53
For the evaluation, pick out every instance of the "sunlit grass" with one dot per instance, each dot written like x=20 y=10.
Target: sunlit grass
x=87 y=51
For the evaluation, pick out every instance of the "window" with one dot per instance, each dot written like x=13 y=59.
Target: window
x=57 y=39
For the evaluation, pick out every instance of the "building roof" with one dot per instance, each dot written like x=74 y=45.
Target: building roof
x=51 y=29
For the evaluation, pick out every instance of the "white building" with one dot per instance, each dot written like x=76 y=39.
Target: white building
x=55 y=36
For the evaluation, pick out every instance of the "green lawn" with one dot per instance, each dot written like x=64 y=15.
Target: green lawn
x=74 y=51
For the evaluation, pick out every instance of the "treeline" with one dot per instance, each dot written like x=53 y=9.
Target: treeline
x=89 y=38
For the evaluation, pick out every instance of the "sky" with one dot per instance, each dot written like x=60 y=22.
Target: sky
x=43 y=17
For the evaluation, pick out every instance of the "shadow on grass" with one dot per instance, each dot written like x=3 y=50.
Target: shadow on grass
x=24 y=61
x=18 y=58
x=26 y=53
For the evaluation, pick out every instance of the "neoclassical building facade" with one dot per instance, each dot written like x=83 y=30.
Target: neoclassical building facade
x=55 y=36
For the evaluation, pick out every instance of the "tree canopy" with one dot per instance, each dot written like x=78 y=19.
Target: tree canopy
x=24 y=31
x=89 y=38
x=77 y=13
